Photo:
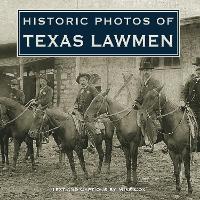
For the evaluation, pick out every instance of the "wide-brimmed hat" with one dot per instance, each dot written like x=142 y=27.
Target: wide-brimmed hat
x=82 y=75
x=14 y=82
x=146 y=64
x=197 y=63
x=44 y=77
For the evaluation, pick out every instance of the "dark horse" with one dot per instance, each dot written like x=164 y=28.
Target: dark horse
x=125 y=121
x=63 y=126
x=5 y=132
x=21 y=119
x=176 y=129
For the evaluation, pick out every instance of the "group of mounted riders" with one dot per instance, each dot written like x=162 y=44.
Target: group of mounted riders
x=190 y=96
x=95 y=116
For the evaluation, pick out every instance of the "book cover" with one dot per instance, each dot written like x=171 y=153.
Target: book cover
x=82 y=98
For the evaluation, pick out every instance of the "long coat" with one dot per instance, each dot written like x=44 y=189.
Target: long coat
x=146 y=86
x=45 y=97
x=191 y=92
x=17 y=95
x=85 y=97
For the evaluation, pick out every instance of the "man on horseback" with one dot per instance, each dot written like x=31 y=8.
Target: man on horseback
x=85 y=96
x=44 y=100
x=191 y=94
x=45 y=95
x=148 y=83
x=17 y=94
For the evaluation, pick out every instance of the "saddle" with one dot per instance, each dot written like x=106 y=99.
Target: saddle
x=192 y=122
x=149 y=128
x=83 y=127
x=194 y=129
x=37 y=134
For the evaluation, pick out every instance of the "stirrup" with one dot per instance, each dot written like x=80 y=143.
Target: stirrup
x=148 y=149
x=90 y=149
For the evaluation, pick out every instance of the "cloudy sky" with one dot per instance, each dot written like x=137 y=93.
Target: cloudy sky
x=8 y=9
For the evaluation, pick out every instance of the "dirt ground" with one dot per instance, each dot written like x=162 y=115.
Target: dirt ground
x=155 y=174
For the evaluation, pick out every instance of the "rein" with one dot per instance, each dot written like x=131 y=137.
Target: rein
x=11 y=121
x=50 y=130
x=110 y=115
x=160 y=109
x=164 y=115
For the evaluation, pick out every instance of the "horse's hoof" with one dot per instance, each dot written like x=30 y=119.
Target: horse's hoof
x=178 y=189
x=127 y=183
x=108 y=171
x=86 y=176
x=10 y=174
x=189 y=197
x=190 y=192
x=36 y=161
x=34 y=168
x=73 y=183
x=97 y=173
x=13 y=169
x=108 y=177
x=58 y=165
x=176 y=196
x=135 y=179
x=165 y=151
x=25 y=160
x=5 y=168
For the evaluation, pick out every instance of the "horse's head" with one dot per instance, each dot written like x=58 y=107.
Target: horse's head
x=153 y=100
x=38 y=121
x=97 y=107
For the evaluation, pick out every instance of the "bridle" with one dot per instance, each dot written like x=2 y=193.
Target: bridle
x=52 y=123
x=13 y=120
x=98 y=116
x=160 y=107
x=160 y=116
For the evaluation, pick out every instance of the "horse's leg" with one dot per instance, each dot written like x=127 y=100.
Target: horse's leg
x=186 y=159
x=17 y=144
x=79 y=152
x=126 y=151
x=108 y=152
x=2 y=151
x=176 y=160
x=29 y=142
x=61 y=152
x=6 y=141
x=37 y=149
x=134 y=155
x=72 y=164
x=98 y=144
x=27 y=154
x=60 y=157
x=38 y=146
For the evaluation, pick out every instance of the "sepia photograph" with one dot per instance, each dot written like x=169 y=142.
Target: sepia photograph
x=84 y=126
